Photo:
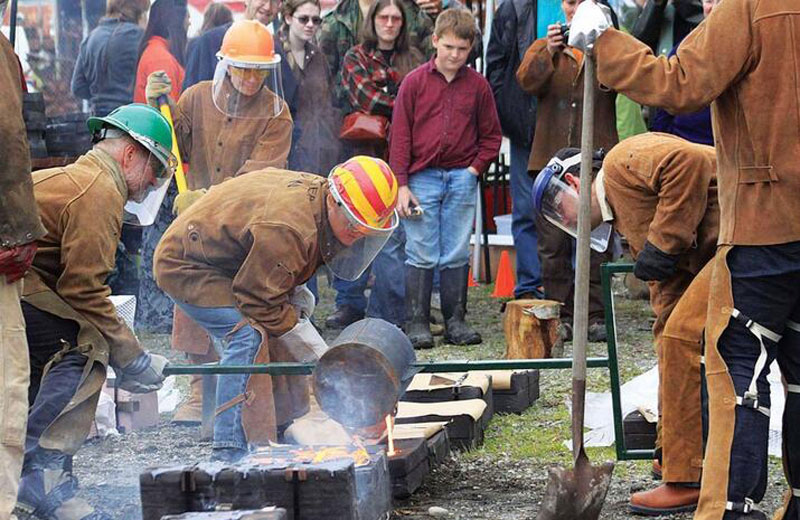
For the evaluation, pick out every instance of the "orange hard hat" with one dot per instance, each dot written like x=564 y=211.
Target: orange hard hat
x=248 y=44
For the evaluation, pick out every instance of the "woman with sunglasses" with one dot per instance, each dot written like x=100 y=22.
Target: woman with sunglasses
x=372 y=71
x=317 y=148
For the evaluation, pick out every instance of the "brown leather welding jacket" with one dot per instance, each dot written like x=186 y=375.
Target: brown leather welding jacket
x=19 y=223
x=744 y=58
x=247 y=244
x=557 y=82
x=81 y=207
x=218 y=147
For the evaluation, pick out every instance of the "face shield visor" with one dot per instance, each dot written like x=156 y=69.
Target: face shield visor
x=248 y=90
x=348 y=262
x=557 y=201
x=142 y=207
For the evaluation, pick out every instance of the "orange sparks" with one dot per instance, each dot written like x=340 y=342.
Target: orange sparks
x=389 y=427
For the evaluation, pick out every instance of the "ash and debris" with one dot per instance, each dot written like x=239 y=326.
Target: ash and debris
x=482 y=485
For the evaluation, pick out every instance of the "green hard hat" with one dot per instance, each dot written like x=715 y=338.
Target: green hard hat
x=143 y=123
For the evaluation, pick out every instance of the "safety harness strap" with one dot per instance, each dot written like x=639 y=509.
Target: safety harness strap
x=795 y=492
x=750 y=397
x=740 y=507
x=793 y=325
x=793 y=389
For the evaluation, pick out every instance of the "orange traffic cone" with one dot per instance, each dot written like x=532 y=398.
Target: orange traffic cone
x=504 y=283
x=471 y=279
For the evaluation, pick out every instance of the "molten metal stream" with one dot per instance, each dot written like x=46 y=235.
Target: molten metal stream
x=389 y=430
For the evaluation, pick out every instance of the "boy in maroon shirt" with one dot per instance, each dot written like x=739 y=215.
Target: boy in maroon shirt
x=445 y=133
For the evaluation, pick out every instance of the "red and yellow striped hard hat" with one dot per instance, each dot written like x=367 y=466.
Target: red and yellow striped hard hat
x=367 y=188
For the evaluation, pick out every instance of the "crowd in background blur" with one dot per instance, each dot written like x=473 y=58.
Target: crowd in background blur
x=341 y=72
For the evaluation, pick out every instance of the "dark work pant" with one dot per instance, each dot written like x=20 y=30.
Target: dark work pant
x=766 y=288
x=558 y=275
x=47 y=337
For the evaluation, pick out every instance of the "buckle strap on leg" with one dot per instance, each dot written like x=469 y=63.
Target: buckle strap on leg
x=750 y=397
x=740 y=507
x=796 y=492
x=793 y=325
x=793 y=389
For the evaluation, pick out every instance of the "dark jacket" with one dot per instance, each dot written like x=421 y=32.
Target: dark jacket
x=513 y=31
x=19 y=221
x=647 y=28
x=106 y=67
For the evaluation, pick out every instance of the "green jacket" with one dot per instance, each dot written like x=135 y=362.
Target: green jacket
x=341 y=27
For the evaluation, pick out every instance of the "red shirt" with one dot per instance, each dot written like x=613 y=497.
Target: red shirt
x=443 y=125
x=156 y=56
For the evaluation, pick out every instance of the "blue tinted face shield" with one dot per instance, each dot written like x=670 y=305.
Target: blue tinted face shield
x=557 y=201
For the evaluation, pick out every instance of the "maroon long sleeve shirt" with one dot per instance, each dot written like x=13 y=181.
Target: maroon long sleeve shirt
x=436 y=124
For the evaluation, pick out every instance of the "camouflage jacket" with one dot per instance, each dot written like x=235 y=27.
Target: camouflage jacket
x=340 y=32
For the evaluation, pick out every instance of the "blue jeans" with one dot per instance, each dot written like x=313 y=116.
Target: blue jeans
x=523 y=224
x=350 y=293
x=387 y=299
x=241 y=348
x=440 y=237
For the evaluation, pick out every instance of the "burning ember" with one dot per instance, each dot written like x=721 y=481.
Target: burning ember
x=390 y=435
x=311 y=455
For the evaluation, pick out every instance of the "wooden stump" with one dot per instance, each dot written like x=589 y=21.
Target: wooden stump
x=532 y=329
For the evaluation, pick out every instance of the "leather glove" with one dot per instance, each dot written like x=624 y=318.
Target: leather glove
x=589 y=22
x=158 y=84
x=16 y=261
x=303 y=342
x=144 y=374
x=303 y=301
x=186 y=199
x=653 y=264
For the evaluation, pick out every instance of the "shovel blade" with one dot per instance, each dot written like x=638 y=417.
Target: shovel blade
x=576 y=494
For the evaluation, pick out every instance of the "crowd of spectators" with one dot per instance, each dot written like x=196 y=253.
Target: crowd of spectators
x=342 y=73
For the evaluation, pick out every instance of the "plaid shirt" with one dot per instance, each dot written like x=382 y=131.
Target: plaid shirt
x=369 y=81
x=341 y=27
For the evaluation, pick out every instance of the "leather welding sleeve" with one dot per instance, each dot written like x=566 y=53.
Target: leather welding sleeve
x=708 y=60
x=265 y=282
x=536 y=69
x=272 y=148
x=88 y=246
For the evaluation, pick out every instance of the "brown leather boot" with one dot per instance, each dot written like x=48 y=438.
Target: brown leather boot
x=190 y=412
x=666 y=499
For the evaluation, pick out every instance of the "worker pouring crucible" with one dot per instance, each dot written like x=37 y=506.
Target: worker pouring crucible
x=660 y=192
x=236 y=123
x=72 y=327
x=235 y=262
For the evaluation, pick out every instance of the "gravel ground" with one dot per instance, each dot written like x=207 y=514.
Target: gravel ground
x=503 y=480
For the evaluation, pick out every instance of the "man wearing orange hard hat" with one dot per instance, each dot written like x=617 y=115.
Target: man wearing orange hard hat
x=235 y=123
x=236 y=261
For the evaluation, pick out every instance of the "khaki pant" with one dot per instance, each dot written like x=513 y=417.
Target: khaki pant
x=14 y=373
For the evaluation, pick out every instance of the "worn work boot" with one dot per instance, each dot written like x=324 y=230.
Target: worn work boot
x=49 y=494
x=418 y=306
x=597 y=333
x=344 y=316
x=454 y=307
x=190 y=412
x=666 y=499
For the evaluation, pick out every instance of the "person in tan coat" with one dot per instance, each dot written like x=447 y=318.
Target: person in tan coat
x=660 y=192
x=743 y=59
x=553 y=72
x=222 y=134
x=72 y=329
x=234 y=261
x=19 y=229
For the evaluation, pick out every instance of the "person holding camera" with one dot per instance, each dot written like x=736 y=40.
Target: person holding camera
x=553 y=72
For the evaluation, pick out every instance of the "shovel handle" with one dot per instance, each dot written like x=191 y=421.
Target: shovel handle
x=180 y=177
x=583 y=250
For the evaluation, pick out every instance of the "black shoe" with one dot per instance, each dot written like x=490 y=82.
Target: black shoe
x=454 y=307
x=344 y=316
x=530 y=295
x=597 y=333
x=419 y=283
x=565 y=330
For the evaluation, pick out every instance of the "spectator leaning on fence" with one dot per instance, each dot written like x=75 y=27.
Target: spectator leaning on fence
x=553 y=72
x=445 y=133
x=106 y=66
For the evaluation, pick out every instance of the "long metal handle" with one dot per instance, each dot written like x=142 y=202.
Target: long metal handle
x=583 y=251
x=180 y=176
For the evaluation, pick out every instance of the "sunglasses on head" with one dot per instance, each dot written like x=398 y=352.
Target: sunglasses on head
x=304 y=19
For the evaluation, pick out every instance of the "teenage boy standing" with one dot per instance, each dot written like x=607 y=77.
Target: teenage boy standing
x=445 y=132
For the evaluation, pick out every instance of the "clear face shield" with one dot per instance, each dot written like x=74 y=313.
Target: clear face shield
x=248 y=90
x=349 y=261
x=557 y=201
x=142 y=207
